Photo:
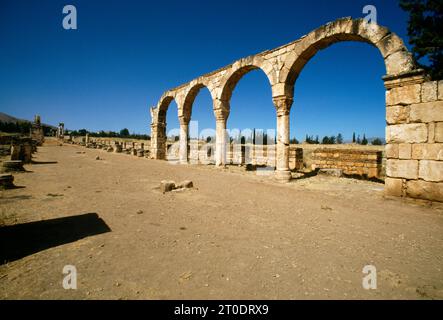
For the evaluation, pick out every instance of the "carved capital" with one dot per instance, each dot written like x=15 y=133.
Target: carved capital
x=184 y=120
x=158 y=126
x=221 y=110
x=282 y=105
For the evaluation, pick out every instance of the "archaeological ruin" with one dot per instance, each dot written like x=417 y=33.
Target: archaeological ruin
x=414 y=107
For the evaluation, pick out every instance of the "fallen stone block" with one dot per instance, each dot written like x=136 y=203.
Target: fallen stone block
x=187 y=184
x=331 y=172
x=167 y=186
x=118 y=148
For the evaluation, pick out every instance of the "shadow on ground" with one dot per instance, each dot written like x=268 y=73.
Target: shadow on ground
x=21 y=240
x=43 y=162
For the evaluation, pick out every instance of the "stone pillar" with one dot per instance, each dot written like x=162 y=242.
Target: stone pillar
x=221 y=110
x=184 y=132
x=15 y=151
x=158 y=140
x=37 y=131
x=283 y=106
x=87 y=139
x=61 y=131
x=414 y=136
x=118 y=147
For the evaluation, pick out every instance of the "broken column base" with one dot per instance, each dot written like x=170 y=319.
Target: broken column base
x=6 y=181
x=168 y=186
x=12 y=166
x=140 y=153
x=283 y=176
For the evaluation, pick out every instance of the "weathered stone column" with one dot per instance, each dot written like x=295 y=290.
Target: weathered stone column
x=158 y=140
x=221 y=110
x=184 y=133
x=283 y=106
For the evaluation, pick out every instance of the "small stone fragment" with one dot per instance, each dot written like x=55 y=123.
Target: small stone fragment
x=331 y=172
x=167 y=186
x=187 y=184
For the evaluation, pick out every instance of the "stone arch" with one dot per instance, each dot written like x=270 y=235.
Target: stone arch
x=158 y=125
x=398 y=60
x=163 y=107
x=413 y=105
x=189 y=98
x=241 y=68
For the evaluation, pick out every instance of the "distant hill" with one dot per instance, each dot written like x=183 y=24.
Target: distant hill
x=7 y=118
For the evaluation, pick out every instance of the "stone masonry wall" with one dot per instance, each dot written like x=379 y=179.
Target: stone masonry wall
x=353 y=162
x=414 y=134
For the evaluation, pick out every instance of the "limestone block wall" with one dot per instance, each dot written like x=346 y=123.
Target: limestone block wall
x=414 y=134
x=295 y=158
x=353 y=162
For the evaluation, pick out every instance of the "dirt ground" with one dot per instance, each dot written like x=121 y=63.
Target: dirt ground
x=236 y=235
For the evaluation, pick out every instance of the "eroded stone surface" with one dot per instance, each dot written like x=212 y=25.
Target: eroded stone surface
x=394 y=187
x=407 y=133
x=424 y=190
x=407 y=169
x=167 y=186
x=427 y=112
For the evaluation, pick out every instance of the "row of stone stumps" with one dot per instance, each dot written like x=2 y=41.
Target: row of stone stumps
x=19 y=153
x=130 y=148
x=18 y=150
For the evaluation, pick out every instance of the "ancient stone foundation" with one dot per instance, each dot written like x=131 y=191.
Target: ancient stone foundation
x=363 y=163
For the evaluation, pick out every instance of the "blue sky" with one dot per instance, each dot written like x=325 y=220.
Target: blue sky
x=106 y=74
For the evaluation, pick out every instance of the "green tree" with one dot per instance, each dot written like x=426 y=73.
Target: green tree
x=353 y=138
x=425 y=27
x=328 y=140
x=377 y=142
x=293 y=141
x=124 y=133
x=339 y=138
x=364 y=141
